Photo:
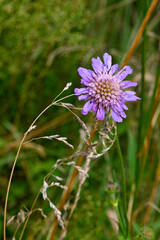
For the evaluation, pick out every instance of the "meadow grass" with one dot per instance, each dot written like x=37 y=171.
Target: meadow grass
x=122 y=185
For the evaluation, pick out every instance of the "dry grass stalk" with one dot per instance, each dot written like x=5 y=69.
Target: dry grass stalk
x=70 y=184
x=32 y=127
x=82 y=180
x=153 y=194
x=148 y=138
x=139 y=34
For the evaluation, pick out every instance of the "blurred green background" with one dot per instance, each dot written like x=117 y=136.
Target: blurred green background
x=42 y=43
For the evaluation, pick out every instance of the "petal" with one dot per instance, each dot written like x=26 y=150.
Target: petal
x=84 y=73
x=120 y=110
x=105 y=69
x=97 y=65
x=116 y=116
x=122 y=113
x=94 y=108
x=130 y=92
x=107 y=107
x=92 y=74
x=130 y=96
x=133 y=98
x=126 y=84
x=85 y=82
x=122 y=74
x=87 y=107
x=107 y=60
x=83 y=97
x=100 y=113
x=114 y=68
x=124 y=106
x=79 y=91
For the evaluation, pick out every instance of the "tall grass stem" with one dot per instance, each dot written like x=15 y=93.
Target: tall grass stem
x=139 y=34
x=123 y=183
x=147 y=140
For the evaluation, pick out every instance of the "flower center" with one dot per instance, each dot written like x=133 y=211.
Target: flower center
x=105 y=90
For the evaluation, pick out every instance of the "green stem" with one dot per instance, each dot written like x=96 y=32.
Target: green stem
x=123 y=184
x=121 y=219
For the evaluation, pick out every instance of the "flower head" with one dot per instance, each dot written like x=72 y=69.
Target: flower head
x=103 y=89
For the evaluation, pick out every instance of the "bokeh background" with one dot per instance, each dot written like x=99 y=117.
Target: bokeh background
x=42 y=43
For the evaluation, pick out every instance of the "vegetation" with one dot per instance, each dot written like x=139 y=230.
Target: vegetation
x=42 y=43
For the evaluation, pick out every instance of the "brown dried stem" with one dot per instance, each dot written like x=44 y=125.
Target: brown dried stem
x=145 y=152
x=148 y=136
x=153 y=194
x=147 y=141
x=139 y=34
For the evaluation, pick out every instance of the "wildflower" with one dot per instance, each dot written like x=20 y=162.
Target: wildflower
x=104 y=89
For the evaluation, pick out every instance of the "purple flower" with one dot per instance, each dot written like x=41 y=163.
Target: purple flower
x=103 y=89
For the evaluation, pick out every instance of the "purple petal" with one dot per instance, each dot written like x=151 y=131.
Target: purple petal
x=130 y=92
x=85 y=82
x=83 y=97
x=105 y=70
x=87 y=107
x=92 y=73
x=79 y=91
x=122 y=74
x=120 y=110
x=107 y=107
x=116 y=116
x=133 y=98
x=84 y=73
x=122 y=113
x=107 y=60
x=114 y=68
x=94 y=108
x=124 y=106
x=126 y=84
x=97 y=65
x=130 y=96
x=100 y=113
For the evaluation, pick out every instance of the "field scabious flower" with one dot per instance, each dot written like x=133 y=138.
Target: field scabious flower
x=103 y=89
